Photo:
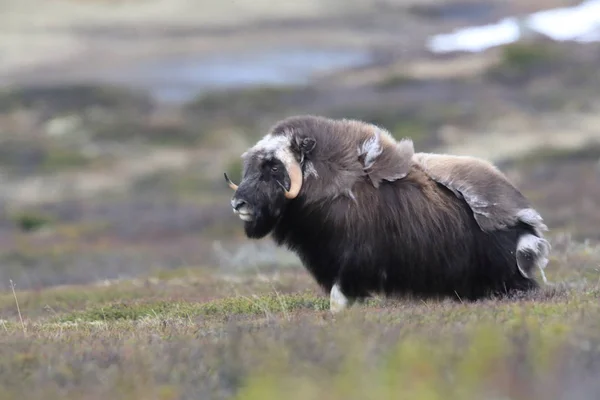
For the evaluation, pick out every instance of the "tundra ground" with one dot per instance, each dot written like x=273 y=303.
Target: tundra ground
x=197 y=333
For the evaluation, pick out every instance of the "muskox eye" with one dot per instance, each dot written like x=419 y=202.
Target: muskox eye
x=274 y=168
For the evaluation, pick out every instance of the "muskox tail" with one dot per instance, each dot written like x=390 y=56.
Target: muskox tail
x=532 y=248
x=532 y=251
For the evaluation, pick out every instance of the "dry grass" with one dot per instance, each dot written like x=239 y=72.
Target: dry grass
x=196 y=333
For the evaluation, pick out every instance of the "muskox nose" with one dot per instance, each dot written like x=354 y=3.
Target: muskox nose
x=237 y=204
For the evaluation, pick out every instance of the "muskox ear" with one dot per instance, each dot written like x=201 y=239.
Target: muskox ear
x=304 y=145
x=308 y=144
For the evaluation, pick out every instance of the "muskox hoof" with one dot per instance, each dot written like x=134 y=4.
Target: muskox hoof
x=337 y=300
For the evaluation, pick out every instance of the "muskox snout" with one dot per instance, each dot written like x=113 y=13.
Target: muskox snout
x=242 y=209
x=237 y=204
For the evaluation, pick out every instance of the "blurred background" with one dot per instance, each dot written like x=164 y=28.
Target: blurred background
x=119 y=117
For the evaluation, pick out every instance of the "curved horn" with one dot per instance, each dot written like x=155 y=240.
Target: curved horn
x=295 y=173
x=231 y=184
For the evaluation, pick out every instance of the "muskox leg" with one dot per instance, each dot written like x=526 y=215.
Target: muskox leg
x=337 y=300
x=532 y=251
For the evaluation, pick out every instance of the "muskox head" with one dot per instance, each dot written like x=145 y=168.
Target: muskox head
x=272 y=176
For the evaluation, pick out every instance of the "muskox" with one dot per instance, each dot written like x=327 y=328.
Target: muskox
x=367 y=215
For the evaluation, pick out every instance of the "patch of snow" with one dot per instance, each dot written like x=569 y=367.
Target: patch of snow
x=477 y=38
x=568 y=23
x=580 y=23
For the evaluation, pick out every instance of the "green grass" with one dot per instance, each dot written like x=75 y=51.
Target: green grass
x=524 y=60
x=416 y=368
x=28 y=221
x=243 y=305
x=185 y=291
x=395 y=80
x=524 y=55
x=284 y=347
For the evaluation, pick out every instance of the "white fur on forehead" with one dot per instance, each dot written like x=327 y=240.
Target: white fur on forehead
x=276 y=146
x=272 y=143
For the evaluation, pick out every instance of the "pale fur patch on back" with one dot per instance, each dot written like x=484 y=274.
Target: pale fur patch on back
x=539 y=247
x=371 y=148
x=383 y=157
x=495 y=202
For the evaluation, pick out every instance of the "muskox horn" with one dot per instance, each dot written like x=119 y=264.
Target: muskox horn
x=295 y=173
x=231 y=184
